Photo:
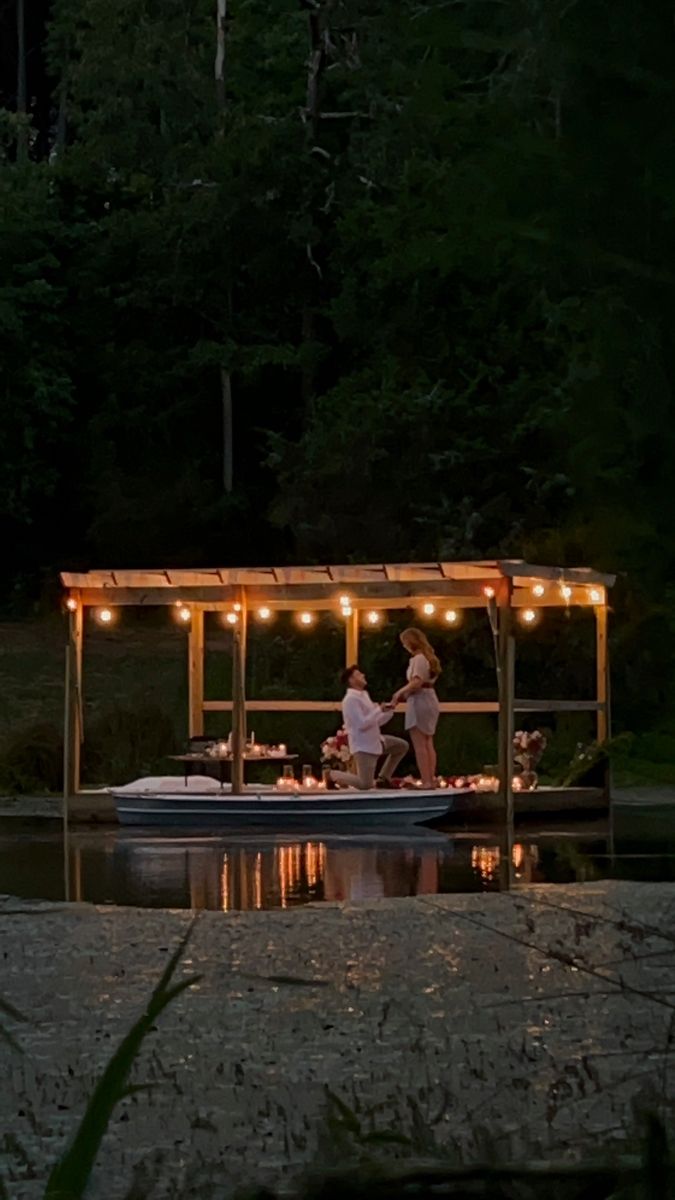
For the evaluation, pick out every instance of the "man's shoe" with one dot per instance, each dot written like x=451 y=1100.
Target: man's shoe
x=383 y=783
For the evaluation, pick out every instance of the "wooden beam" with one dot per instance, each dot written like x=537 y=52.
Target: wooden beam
x=196 y=674
x=523 y=572
x=352 y=638
x=239 y=697
x=506 y=652
x=456 y=707
x=602 y=674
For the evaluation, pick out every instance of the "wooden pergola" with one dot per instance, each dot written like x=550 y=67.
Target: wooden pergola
x=503 y=588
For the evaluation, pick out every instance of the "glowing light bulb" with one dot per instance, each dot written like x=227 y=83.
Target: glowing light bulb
x=595 y=596
x=538 y=590
x=264 y=613
x=489 y=592
x=71 y=604
x=231 y=618
x=184 y=613
x=347 y=610
x=565 y=591
x=529 y=616
x=345 y=601
x=428 y=609
x=306 y=618
x=452 y=616
x=373 y=618
x=105 y=616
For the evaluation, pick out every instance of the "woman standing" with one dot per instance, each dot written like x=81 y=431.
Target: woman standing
x=421 y=714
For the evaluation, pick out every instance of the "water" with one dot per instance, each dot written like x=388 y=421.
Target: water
x=250 y=870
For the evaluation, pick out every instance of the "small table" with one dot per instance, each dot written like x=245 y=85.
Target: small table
x=192 y=761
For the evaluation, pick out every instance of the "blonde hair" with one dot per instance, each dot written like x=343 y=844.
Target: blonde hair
x=418 y=641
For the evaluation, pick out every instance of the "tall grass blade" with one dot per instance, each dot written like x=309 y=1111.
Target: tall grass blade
x=70 y=1174
x=9 y=1010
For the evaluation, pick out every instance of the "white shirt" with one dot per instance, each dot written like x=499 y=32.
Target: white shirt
x=362 y=719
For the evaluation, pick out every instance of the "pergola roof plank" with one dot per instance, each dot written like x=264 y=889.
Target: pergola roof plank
x=181 y=580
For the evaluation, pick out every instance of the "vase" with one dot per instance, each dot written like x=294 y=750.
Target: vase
x=529 y=780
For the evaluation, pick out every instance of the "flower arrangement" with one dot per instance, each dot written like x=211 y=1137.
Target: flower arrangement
x=335 y=750
x=528 y=748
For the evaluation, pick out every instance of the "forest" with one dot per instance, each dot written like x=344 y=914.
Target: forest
x=341 y=280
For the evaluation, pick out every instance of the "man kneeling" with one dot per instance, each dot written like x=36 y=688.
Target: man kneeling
x=363 y=719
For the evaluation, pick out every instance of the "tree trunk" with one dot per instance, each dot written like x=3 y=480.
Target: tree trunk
x=225 y=377
x=228 y=448
x=21 y=87
x=219 y=66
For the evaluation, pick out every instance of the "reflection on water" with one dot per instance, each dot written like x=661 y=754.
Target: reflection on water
x=250 y=870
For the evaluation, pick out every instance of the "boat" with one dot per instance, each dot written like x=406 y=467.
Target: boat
x=202 y=801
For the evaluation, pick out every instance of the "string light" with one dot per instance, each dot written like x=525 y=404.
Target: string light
x=105 y=616
x=565 y=591
x=306 y=618
x=237 y=607
x=428 y=609
x=529 y=616
x=452 y=616
x=264 y=613
x=184 y=613
x=71 y=604
x=345 y=601
x=595 y=596
x=489 y=592
x=232 y=618
x=538 y=590
x=347 y=610
x=373 y=618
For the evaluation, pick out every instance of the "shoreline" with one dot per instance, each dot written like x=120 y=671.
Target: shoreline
x=525 y=1014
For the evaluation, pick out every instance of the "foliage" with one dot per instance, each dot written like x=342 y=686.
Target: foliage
x=427 y=243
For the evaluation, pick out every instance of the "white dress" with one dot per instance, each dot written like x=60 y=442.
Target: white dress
x=421 y=710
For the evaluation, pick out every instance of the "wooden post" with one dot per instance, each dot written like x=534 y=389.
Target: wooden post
x=73 y=723
x=239 y=697
x=352 y=638
x=196 y=674
x=67 y=750
x=506 y=649
x=602 y=674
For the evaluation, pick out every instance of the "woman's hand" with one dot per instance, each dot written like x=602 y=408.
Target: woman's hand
x=397 y=697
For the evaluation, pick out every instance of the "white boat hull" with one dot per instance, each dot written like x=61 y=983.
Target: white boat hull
x=180 y=805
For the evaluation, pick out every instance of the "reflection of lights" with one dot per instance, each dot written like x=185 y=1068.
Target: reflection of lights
x=306 y=618
x=518 y=855
x=529 y=616
x=538 y=590
x=225 y=883
x=595 y=596
x=105 y=616
x=489 y=592
x=373 y=618
x=71 y=604
x=264 y=613
x=428 y=609
x=452 y=616
x=485 y=860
